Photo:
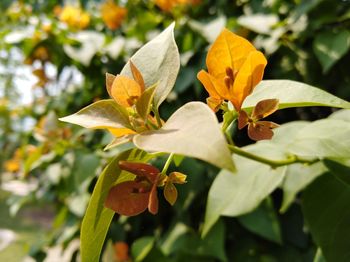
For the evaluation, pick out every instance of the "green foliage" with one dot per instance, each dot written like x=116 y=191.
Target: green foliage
x=305 y=166
x=329 y=226
x=293 y=94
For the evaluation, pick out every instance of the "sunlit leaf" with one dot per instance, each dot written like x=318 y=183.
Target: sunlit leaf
x=298 y=176
x=292 y=94
x=144 y=103
x=343 y=114
x=240 y=193
x=159 y=62
x=193 y=130
x=326 y=138
x=101 y=114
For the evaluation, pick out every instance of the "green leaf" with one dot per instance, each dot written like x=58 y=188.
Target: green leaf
x=292 y=94
x=298 y=176
x=263 y=221
x=182 y=239
x=158 y=62
x=343 y=114
x=340 y=168
x=193 y=130
x=141 y=248
x=98 y=218
x=325 y=204
x=318 y=256
x=144 y=103
x=326 y=138
x=101 y=114
x=238 y=194
x=330 y=46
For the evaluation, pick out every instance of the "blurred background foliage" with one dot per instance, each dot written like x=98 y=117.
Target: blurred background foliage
x=53 y=60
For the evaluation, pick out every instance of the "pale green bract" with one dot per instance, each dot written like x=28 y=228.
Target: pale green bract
x=159 y=62
x=193 y=130
x=292 y=94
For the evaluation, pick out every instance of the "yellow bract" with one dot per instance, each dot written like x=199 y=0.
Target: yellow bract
x=74 y=17
x=119 y=132
x=112 y=14
x=235 y=67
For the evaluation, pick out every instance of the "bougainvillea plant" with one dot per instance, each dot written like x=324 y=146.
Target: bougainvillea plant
x=129 y=184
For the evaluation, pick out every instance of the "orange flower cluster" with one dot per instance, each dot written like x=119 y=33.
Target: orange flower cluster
x=168 y=5
x=235 y=67
x=126 y=92
x=112 y=14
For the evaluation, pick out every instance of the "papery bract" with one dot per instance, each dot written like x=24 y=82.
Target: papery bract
x=259 y=130
x=170 y=191
x=235 y=67
x=131 y=198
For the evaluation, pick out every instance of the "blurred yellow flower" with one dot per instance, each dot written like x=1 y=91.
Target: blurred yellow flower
x=12 y=165
x=112 y=14
x=74 y=17
x=168 y=5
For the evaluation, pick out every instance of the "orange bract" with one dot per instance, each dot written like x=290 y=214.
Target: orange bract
x=131 y=198
x=235 y=67
x=168 y=5
x=118 y=132
x=125 y=91
x=112 y=14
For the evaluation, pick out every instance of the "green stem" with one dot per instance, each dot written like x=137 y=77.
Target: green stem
x=229 y=138
x=167 y=163
x=156 y=113
x=273 y=163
